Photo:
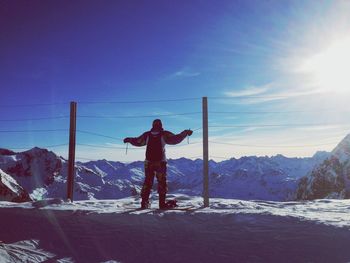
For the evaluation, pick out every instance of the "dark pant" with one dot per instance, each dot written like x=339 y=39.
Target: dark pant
x=152 y=169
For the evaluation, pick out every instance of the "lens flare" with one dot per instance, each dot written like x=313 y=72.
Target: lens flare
x=330 y=69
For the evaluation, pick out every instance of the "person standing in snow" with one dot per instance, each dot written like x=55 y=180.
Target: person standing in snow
x=155 y=163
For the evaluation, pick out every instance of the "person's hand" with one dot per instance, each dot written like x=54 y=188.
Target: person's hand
x=126 y=140
x=189 y=132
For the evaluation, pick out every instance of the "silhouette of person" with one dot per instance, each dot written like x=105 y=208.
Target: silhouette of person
x=155 y=163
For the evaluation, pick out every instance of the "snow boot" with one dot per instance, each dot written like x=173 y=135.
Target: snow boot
x=167 y=204
x=162 y=201
x=171 y=203
x=145 y=204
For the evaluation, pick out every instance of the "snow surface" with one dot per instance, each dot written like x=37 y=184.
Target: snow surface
x=228 y=231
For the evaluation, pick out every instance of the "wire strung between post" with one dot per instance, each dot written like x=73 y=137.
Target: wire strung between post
x=30 y=147
x=279 y=125
x=134 y=148
x=100 y=135
x=139 y=101
x=273 y=146
x=274 y=112
x=95 y=160
x=251 y=97
x=136 y=116
x=33 y=105
x=115 y=138
x=36 y=119
x=106 y=147
x=49 y=130
x=182 y=145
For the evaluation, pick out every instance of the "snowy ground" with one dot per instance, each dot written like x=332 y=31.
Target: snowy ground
x=228 y=231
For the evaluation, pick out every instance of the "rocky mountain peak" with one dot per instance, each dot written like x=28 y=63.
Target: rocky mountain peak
x=342 y=150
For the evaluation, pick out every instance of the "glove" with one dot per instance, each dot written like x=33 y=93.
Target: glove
x=189 y=132
x=126 y=140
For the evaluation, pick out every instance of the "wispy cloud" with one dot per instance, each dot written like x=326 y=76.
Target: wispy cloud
x=277 y=96
x=250 y=91
x=185 y=72
x=317 y=128
x=273 y=91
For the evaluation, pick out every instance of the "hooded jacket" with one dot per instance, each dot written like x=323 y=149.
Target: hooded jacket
x=167 y=137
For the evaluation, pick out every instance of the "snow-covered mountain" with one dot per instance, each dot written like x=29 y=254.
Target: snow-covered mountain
x=330 y=179
x=43 y=174
x=262 y=178
x=10 y=190
x=31 y=169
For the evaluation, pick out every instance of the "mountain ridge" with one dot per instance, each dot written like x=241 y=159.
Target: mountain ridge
x=44 y=175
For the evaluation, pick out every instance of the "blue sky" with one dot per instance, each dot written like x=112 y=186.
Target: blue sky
x=261 y=63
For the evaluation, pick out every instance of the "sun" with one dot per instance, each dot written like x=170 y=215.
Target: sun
x=329 y=70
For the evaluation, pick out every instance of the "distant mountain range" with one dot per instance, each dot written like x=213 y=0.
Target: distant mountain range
x=39 y=173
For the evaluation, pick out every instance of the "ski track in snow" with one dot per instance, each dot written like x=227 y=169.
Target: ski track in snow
x=228 y=231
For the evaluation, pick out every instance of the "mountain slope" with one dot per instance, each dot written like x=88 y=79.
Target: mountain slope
x=10 y=190
x=32 y=169
x=331 y=179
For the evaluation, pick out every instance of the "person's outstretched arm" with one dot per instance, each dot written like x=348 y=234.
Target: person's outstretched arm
x=172 y=139
x=137 y=141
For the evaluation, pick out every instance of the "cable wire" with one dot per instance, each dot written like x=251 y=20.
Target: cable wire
x=278 y=125
x=253 y=97
x=183 y=144
x=33 y=105
x=35 y=119
x=100 y=135
x=107 y=147
x=45 y=146
x=273 y=112
x=49 y=130
x=273 y=146
x=123 y=148
x=138 y=116
x=138 y=101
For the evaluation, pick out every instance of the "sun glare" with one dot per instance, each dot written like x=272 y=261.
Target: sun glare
x=330 y=69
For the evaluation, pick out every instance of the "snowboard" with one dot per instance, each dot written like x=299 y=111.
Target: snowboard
x=171 y=205
x=181 y=208
x=156 y=208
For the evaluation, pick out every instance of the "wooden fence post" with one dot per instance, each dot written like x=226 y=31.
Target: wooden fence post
x=71 y=157
x=205 y=152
